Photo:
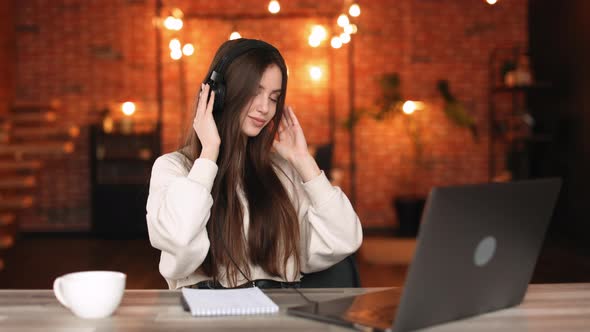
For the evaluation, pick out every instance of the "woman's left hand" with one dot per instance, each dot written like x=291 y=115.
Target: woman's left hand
x=290 y=143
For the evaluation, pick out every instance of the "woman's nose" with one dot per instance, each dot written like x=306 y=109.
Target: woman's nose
x=263 y=104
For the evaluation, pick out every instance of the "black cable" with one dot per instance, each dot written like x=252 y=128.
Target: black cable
x=220 y=235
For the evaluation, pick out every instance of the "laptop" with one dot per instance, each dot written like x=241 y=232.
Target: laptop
x=476 y=252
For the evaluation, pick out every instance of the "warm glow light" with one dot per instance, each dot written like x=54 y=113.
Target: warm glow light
x=344 y=37
x=491 y=2
x=314 y=41
x=169 y=23
x=319 y=31
x=174 y=44
x=274 y=7
x=178 y=24
x=354 y=28
x=188 y=49
x=348 y=29
x=172 y=23
x=409 y=107
x=176 y=54
x=343 y=20
x=128 y=108
x=354 y=10
x=315 y=72
x=176 y=12
x=235 y=35
x=336 y=42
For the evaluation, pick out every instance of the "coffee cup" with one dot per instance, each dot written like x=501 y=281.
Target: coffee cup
x=90 y=294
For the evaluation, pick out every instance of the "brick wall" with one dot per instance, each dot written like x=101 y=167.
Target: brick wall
x=7 y=55
x=96 y=54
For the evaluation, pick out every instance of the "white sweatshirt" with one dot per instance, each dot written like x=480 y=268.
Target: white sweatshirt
x=179 y=205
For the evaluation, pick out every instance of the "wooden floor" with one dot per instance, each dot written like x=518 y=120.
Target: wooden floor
x=36 y=260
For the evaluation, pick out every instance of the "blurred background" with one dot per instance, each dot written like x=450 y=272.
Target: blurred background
x=395 y=97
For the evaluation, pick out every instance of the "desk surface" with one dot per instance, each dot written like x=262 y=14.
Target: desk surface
x=555 y=307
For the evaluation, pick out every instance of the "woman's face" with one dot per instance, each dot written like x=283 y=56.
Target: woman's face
x=263 y=106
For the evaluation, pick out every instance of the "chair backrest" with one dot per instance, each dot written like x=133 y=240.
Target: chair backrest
x=342 y=274
x=323 y=156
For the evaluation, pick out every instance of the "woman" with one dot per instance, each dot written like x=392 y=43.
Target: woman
x=243 y=200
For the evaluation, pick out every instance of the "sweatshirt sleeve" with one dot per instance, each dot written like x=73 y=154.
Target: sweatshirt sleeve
x=178 y=208
x=330 y=228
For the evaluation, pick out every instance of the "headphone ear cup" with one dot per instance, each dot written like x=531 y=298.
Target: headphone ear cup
x=219 y=97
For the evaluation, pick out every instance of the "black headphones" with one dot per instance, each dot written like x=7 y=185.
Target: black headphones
x=216 y=80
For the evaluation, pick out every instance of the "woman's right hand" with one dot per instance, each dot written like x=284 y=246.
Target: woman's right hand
x=204 y=125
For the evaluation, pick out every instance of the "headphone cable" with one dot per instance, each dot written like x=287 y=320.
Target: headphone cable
x=295 y=288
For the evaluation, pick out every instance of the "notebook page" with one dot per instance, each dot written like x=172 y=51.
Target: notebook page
x=220 y=302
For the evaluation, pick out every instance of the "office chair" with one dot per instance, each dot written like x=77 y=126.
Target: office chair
x=343 y=274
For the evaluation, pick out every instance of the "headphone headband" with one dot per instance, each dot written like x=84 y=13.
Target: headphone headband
x=242 y=46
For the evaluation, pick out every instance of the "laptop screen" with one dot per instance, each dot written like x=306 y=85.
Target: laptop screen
x=476 y=251
x=376 y=310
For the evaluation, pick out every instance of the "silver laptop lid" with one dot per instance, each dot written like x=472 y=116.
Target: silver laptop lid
x=477 y=249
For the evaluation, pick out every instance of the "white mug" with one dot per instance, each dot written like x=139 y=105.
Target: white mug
x=90 y=294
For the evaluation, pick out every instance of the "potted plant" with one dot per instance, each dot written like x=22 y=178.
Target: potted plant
x=408 y=205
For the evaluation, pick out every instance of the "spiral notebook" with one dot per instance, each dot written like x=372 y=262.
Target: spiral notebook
x=224 y=302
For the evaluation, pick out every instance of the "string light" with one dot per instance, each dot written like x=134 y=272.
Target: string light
x=169 y=23
x=314 y=41
x=343 y=20
x=354 y=10
x=128 y=108
x=176 y=12
x=348 y=29
x=315 y=72
x=354 y=28
x=235 y=35
x=274 y=7
x=345 y=38
x=491 y=2
x=319 y=31
x=176 y=54
x=336 y=42
x=318 y=34
x=173 y=23
x=174 y=44
x=188 y=49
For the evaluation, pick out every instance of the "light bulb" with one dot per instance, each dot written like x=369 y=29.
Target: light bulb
x=345 y=38
x=491 y=2
x=178 y=24
x=343 y=20
x=349 y=29
x=176 y=12
x=315 y=72
x=169 y=23
x=354 y=28
x=336 y=42
x=128 y=108
x=354 y=10
x=235 y=35
x=176 y=54
x=314 y=41
x=188 y=49
x=409 y=107
x=274 y=7
x=319 y=31
x=174 y=44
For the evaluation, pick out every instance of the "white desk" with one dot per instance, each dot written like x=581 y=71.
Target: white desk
x=558 y=307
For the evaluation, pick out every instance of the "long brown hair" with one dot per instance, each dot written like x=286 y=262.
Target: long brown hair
x=245 y=165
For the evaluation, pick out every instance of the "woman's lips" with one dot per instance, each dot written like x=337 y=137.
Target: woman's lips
x=257 y=122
